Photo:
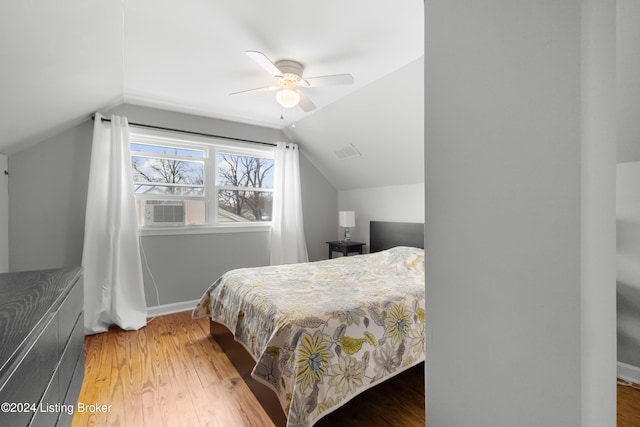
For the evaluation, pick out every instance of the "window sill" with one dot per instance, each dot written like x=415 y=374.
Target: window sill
x=204 y=229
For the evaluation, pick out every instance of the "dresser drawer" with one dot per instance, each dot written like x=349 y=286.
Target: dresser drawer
x=68 y=313
x=42 y=353
x=71 y=400
x=32 y=375
x=47 y=415
x=70 y=356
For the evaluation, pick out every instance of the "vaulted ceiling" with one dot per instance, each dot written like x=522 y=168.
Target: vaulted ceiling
x=66 y=59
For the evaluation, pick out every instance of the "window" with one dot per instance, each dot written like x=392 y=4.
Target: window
x=200 y=181
x=244 y=186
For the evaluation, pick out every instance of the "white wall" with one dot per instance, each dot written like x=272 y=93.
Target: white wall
x=401 y=203
x=628 y=277
x=506 y=303
x=4 y=215
x=383 y=119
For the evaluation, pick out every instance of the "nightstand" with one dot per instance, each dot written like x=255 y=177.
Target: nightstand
x=345 y=247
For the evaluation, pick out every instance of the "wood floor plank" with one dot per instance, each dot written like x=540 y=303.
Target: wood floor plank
x=224 y=381
x=95 y=380
x=170 y=373
x=181 y=381
x=120 y=368
x=191 y=386
x=154 y=380
x=629 y=405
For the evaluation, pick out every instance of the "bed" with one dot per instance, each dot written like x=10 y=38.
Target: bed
x=320 y=333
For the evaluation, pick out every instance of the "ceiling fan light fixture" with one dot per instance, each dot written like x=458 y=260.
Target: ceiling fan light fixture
x=288 y=98
x=288 y=74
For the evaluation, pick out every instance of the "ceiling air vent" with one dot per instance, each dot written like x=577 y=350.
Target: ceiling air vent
x=348 y=152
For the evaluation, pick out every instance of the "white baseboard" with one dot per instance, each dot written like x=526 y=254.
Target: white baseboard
x=629 y=372
x=160 y=310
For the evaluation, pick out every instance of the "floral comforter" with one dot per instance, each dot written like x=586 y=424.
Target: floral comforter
x=323 y=332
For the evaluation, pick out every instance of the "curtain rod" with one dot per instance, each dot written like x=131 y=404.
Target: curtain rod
x=104 y=119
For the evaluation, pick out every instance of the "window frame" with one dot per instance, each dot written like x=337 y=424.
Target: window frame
x=211 y=147
x=239 y=152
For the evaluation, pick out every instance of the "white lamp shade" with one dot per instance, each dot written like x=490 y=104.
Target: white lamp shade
x=288 y=98
x=347 y=218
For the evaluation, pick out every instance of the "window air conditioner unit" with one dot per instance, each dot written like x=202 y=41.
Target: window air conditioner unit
x=164 y=212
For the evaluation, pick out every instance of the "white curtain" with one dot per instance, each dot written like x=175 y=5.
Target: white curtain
x=113 y=285
x=288 y=244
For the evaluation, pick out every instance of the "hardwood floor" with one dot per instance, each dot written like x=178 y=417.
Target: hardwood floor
x=172 y=373
x=629 y=406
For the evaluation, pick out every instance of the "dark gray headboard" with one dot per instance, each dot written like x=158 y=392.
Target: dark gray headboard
x=384 y=235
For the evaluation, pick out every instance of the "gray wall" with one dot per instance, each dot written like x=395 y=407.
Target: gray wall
x=510 y=303
x=184 y=266
x=628 y=80
x=320 y=207
x=47 y=201
x=628 y=278
x=47 y=193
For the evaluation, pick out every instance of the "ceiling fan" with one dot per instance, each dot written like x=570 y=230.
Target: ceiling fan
x=288 y=75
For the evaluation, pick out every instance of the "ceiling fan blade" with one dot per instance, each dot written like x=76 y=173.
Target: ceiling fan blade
x=305 y=103
x=261 y=59
x=336 y=79
x=258 y=89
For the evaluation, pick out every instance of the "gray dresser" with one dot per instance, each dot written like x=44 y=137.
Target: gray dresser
x=41 y=346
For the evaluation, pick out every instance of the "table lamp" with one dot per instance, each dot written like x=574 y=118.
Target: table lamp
x=347 y=219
